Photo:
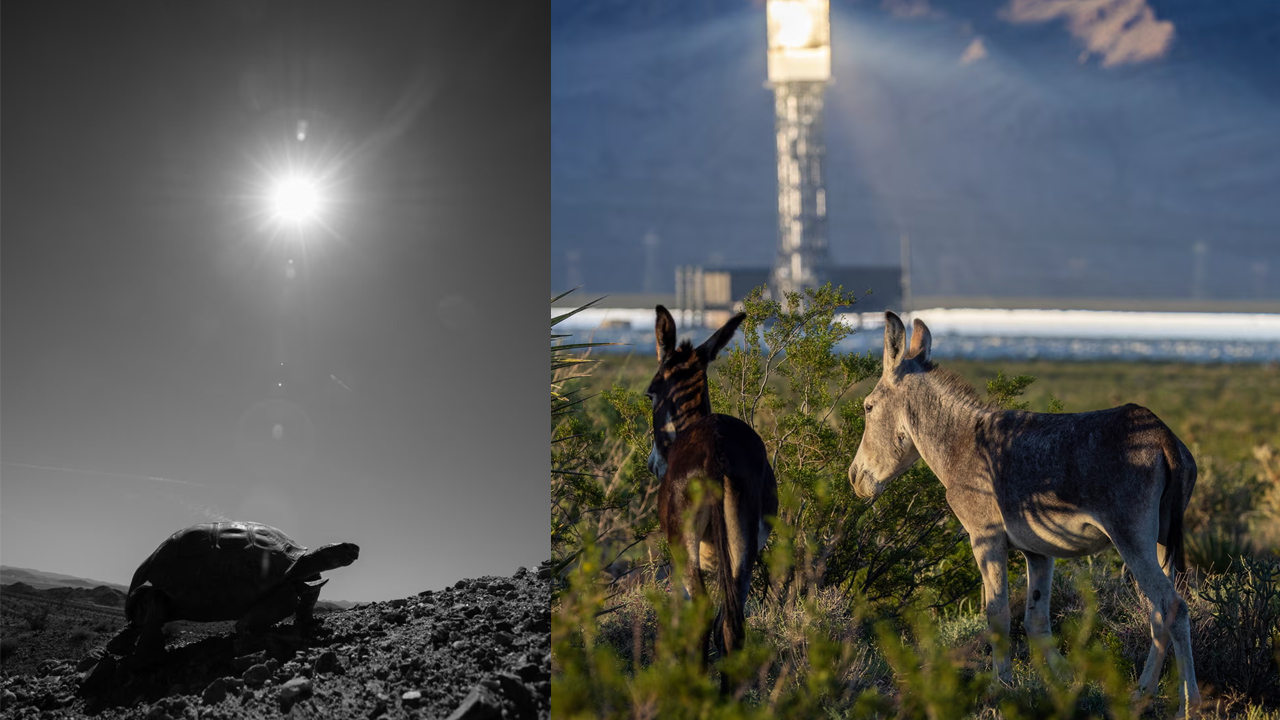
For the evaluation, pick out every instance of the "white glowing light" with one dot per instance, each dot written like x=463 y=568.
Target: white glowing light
x=799 y=40
x=295 y=199
x=795 y=24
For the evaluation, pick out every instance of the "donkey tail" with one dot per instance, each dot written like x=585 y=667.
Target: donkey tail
x=1181 y=480
x=733 y=616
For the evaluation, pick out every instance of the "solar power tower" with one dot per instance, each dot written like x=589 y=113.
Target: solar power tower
x=799 y=68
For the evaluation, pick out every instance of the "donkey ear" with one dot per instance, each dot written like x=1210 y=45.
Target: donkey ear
x=664 y=331
x=714 y=344
x=895 y=340
x=921 y=342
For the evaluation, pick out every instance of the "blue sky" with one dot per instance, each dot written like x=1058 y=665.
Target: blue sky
x=1026 y=147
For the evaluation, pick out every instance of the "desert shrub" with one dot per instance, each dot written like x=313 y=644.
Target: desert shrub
x=1214 y=550
x=645 y=658
x=1239 y=629
x=584 y=488
x=1265 y=517
x=8 y=646
x=36 y=616
x=1226 y=499
x=80 y=635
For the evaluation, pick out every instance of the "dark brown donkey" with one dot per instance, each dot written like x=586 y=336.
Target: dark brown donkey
x=693 y=447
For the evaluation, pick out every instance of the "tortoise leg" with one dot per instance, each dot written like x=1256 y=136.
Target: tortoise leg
x=271 y=609
x=153 y=613
x=308 y=594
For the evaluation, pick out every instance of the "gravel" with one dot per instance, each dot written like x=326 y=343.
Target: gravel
x=479 y=649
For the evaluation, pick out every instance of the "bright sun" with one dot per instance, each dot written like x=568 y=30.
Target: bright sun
x=295 y=199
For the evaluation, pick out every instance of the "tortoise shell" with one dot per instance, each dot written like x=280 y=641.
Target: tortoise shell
x=218 y=571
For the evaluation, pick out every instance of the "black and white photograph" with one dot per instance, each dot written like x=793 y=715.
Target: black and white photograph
x=274 y=405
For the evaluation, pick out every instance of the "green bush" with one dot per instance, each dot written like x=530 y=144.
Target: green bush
x=1239 y=646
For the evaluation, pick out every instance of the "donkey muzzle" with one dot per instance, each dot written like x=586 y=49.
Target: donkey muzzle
x=657 y=463
x=863 y=486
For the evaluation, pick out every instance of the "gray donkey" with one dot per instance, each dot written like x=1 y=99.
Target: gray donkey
x=1049 y=485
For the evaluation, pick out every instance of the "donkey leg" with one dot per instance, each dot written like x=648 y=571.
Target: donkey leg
x=695 y=526
x=1169 y=621
x=1039 y=587
x=1152 y=668
x=741 y=530
x=991 y=550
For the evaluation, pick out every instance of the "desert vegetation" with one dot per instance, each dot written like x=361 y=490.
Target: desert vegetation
x=874 y=610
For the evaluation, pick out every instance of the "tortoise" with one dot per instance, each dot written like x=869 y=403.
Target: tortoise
x=243 y=571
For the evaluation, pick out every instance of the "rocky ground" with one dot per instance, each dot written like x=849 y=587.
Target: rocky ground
x=478 y=650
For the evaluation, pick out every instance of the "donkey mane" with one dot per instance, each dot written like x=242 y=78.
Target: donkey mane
x=949 y=383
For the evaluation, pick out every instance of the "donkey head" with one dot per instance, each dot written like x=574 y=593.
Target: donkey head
x=679 y=389
x=887 y=447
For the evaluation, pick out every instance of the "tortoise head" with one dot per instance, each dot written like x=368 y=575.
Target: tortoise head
x=334 y=555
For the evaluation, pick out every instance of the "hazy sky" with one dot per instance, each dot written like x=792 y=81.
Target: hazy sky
x=1027 y=147
x=147 y=304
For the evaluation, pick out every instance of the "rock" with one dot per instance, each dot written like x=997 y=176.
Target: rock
x=244 y=662
x=504 y=639
x=529 y=672
x=8 y=699
x=327 y=663
x=99 y=676
x=398 y=602
x=514 y=689
x=476 y=706
x=298 y=688
x=540 y=625
x=90 y=659
x=215 y=693
x=411 y=698
x=256 y=676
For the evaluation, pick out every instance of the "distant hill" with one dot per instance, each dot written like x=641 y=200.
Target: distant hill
x=336 y=604
x=41 y=580
x=28 y=581
x=100 y=595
